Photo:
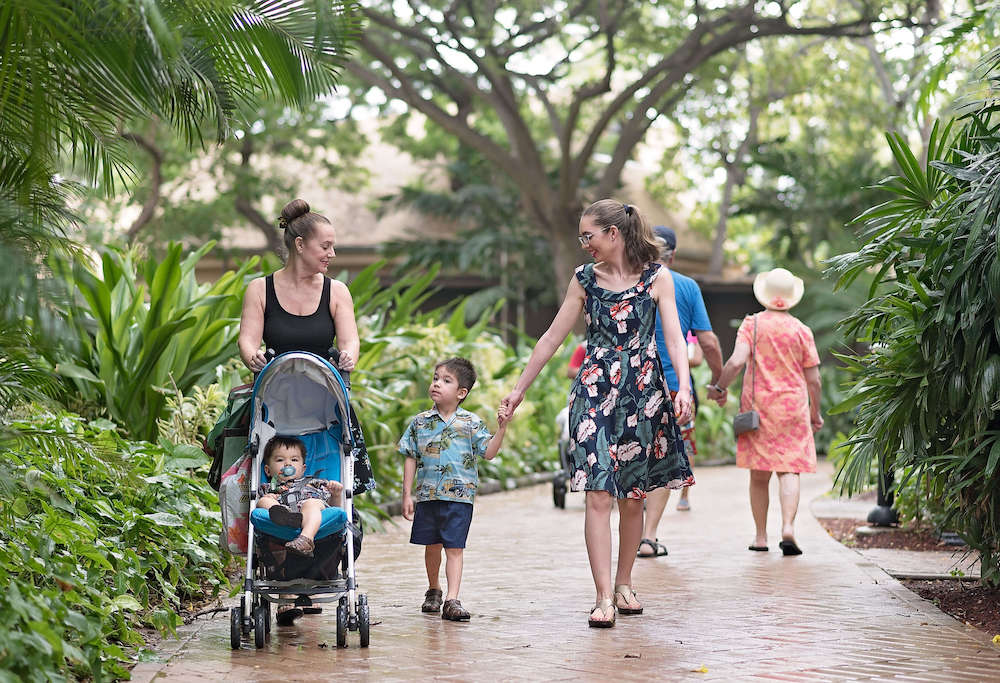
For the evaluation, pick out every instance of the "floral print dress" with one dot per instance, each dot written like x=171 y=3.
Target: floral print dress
x=624 y=438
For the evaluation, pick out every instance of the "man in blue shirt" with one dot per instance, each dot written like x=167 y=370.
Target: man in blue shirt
x=693 y=318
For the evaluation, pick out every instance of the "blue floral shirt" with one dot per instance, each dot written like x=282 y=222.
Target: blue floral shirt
x=446 y=454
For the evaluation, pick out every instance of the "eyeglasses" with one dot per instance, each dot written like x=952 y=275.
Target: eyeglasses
x=586 y=237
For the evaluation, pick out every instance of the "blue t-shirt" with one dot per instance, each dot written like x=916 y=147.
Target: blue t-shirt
x=693 y=316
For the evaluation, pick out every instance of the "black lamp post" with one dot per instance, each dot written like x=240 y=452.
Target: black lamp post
x=883 y=514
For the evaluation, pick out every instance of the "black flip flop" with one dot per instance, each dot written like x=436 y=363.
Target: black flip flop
x=306 y=604
x=758 y=548
x=287 y=617
x=659 y=550
x=789 y=548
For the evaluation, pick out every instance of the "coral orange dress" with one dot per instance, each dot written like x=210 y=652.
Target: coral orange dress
x=785 y=348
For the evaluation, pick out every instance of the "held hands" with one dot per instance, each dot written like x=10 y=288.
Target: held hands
x=508 y=405
x=716 y=395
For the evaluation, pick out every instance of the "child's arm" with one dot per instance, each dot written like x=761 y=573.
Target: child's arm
x=409 y=472
x=494 y=445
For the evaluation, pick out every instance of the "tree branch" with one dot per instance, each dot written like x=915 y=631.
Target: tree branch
x=243 y=206
x=155 y=182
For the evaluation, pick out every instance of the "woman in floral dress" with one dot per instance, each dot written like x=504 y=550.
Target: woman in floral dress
x=625 y=438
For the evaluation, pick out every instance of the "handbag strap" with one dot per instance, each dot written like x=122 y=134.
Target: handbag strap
x=753 y=365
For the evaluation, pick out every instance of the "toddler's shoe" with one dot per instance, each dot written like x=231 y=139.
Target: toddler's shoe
x=453 y=611
x=432 y=600
x=301 y=545
x=282 y=516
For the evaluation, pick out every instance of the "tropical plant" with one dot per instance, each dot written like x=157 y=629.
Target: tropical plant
x=95 y=546
x=145 y=329
x=926 y=389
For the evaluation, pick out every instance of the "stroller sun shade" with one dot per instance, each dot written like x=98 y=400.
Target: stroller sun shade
x=298 y=388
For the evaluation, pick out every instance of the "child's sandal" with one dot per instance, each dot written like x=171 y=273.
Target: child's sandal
x=301 y=545
x=603 y=605
x=432 y=601
x=627 y=594
x=453 y=611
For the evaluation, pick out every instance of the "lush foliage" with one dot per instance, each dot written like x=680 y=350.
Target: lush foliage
x=926 y=390
x=145 y=328
x=99 y=537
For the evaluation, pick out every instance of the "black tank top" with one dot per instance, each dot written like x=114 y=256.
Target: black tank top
x=285 y=332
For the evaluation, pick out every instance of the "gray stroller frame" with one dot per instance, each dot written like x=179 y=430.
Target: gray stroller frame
x=303 y=394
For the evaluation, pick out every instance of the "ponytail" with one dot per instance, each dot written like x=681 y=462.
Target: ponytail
x=641 y=246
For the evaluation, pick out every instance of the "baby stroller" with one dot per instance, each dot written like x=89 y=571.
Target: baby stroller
x=302 y=395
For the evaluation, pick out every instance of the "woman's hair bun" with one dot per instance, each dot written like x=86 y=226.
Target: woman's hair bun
x=294 y=209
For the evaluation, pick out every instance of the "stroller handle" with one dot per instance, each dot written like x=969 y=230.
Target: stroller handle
x=334 y=354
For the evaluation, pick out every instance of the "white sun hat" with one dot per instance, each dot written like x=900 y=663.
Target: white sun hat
x=778 y=289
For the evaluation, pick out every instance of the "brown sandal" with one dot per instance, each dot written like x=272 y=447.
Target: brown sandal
x=301 y=545
x=453 y=611
x=432 y=600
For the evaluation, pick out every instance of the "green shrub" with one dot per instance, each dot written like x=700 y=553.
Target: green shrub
x=98 y=537
x=145 y=329
x=926 y=391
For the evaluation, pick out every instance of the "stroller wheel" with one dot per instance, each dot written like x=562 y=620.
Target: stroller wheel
x=364 y=619
x=260 y=626
x=267 y=616
x=559 y=491
x=342 y=622
x=235 y=627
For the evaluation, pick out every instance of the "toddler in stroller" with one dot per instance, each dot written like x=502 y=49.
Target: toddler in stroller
x=291 y=498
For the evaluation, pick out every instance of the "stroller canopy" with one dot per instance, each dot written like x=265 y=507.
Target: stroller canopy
x=300 y=393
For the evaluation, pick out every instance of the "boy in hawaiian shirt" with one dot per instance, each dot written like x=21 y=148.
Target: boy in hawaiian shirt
x=293 y=499
x=441 y=446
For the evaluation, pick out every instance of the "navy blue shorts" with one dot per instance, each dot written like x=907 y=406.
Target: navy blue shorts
x=441 y=521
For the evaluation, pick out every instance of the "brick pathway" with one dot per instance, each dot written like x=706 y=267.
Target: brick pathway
x=714 y=610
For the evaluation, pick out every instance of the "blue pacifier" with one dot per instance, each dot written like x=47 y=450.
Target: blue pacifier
x=288 y=471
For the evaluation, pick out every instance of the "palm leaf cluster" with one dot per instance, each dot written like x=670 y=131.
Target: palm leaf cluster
x=928 y=391
x=72 y=74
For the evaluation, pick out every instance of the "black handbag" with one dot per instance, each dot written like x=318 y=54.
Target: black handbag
x=750 y=420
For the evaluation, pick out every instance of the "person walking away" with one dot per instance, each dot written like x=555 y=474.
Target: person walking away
x=693 y=318
x=441 y=446
x=782 y=383
x=624 y=435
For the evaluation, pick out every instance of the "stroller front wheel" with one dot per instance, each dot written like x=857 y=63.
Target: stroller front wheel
x=364 y=620
x=260 y=626
x=235 y=628
x=342 y=622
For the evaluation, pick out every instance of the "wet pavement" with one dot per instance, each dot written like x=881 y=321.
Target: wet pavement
x=713 y=609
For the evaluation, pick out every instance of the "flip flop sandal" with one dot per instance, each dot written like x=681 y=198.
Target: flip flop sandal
x=432 y=601
x=286 y=616
x=659 y=550
x=683 y=505
x=282 y=516
x=604 y=606
x=628 y=594
x=453 y=611
x=789 y=548
x=758 y=548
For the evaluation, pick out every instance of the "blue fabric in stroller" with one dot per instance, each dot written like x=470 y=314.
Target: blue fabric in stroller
x=303 y=395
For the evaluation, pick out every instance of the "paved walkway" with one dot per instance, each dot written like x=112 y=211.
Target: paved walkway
x=714 y=610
